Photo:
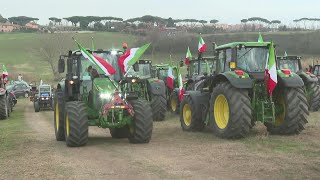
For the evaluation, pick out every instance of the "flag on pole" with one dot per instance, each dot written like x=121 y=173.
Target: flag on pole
x=285 y=54
x=181 y=90
x=170 y=78
x=131 y=57
x=102 y=64
x=4 y=71
x=260 y=39
x=202 y=45
x=271 y=70
x=188 y=57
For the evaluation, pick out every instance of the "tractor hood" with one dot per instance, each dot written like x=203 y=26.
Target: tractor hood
x=104 y=87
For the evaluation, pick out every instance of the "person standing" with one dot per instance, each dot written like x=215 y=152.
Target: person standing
x=19 y=77
x=41 y=82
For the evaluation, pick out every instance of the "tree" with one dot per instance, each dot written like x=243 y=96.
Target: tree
x=2 y=19
x=170 y=22
x=55 y=20
x=203 y=22
x=74 y=20
x=21 y=20
x=214 y=21
x=275 y=24
x=244 y=21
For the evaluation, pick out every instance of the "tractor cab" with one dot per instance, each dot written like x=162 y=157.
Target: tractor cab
x=141 y=70
x=161 y=71
x=293 y=63
x=45 y=91
x=316 y=71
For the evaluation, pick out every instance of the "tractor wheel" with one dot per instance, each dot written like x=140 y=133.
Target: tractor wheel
x=141 y=129
x=122 y=132
x=3 y=107
x=314 y=99
x=36 y=106
x=174 y=103
x=189 y=117
x=293 y=117
x=230 y=111
x=159 y=107
x=59 y=116
x=76 y=124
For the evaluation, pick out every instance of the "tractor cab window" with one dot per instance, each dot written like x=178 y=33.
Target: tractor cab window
x=163 y=73
x=293 y=65
x=143 y=73
x=316 y=70
x=252 y=59
x=228 y=59
x=44 y=89
x=221 y=60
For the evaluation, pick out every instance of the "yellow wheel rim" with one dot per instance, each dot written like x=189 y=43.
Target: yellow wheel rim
x=221 y=111
x=173 y=105
x=57 y=117
x=67 y=125
x=187 y=115
x=280 y=117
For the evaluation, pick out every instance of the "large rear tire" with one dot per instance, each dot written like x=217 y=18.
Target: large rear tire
x=118 y=133
x=230 y=111
x=59 y=116
x=159 y=107
x=174 y=103
x=190 y=119
x=76 y=124
x=140 y=131
x=314 y=99
x=3 y=107
x=295 y=111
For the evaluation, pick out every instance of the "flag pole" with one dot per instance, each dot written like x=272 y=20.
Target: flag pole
x=199 y=59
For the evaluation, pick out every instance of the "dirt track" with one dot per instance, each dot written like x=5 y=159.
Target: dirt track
x=171 y=154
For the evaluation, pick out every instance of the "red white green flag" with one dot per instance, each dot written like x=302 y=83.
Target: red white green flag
x=271 y=70
x=4 y=71
x=180 y=82
x=131 y=57
x=202 y=45
x=188 y=57
x=170 y=78
x=102 y=64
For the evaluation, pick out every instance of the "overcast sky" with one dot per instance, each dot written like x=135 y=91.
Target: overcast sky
x=226 y=11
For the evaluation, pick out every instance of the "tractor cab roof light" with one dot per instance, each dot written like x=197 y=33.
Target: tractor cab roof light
x=239 y=72
x=114 y=52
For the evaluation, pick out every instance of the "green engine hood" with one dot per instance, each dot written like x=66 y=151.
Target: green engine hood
x=103 y=85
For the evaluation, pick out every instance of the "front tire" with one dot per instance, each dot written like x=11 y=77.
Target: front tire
x=190 y=118
x=76 y=124
x=159 y=107
x=174 y=103
x=314 y=99
x=230 y=111
x=3 y=107
x=141 y=129
x=59 y=116
x=295 y=111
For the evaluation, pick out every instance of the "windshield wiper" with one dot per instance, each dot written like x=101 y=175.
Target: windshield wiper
x=245 y=53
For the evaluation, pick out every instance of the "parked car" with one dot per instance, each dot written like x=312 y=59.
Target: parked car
x=19 y=90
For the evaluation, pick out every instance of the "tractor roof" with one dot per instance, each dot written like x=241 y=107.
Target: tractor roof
x=249 y=44
x=288 y=57
x=98 y=50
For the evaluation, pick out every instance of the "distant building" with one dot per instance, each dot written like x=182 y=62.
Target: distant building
x=32 y=25
x=7 y=27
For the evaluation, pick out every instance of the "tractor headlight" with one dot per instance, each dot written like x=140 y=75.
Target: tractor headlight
x=134 y=80
x=42 y=98
x=105 y=96
x=114 y=52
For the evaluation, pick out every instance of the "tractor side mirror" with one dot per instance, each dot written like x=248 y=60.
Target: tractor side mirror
x=136 y=67
x=181 y=63
x=61 y=66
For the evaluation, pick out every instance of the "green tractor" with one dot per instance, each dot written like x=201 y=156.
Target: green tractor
x=160 y=71
x=316 y=71
x=235 y=95
x=5 y=107
x=312 y=89
x=148 y=88
x=82 y=100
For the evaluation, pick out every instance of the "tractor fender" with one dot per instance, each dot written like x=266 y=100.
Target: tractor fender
x=308 y=78
x=200 y=100
x=293 y=81
x=241 y=83
x=157 y=87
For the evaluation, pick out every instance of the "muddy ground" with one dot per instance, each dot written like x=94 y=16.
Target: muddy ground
x=28 y=150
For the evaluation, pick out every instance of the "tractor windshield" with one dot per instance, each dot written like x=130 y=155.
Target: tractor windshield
x=44 y=89
x=293 y=65
x=143 y=73
x=110 y=58
x=252 y=59
x=203 y=68
x=163 y=73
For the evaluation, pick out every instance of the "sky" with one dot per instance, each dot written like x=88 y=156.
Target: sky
x=226 y=11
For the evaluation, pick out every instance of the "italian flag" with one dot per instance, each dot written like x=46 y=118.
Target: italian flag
x=188 y=57
x=202 y=45
x=131 y=57
x=4 y=72
x=181 y=90
x=271 y=71
x=102 y=64
x=170 y=78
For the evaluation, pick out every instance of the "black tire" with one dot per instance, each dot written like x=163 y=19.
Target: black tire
x=174 y=100
x=76 y=125
x=3 y=107
x=59 y=116
x=238 y=122
x=141 y=129
x=190 y=118
x=294 y=118
x=314 y=99
x=118 y=133
x=36 y=106
x=159 y=107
